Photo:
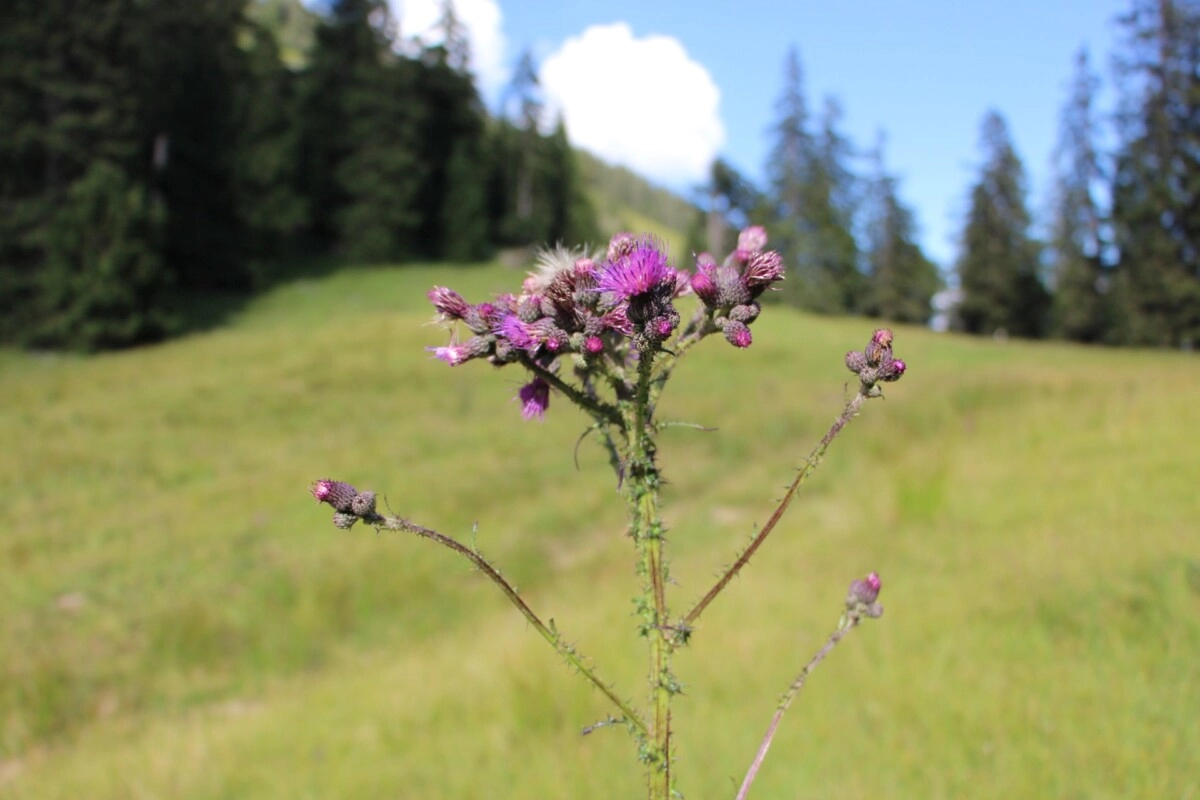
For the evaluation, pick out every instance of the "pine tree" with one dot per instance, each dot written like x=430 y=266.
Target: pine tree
x=190 y=66
x=1081 y=298
x=268 y=203
x=102 y=282
x=998 y=265
x=902 y=280
x=69 y=101
x=788 y=168
x=813 y=197
x=831 y=253
x=1156 y=190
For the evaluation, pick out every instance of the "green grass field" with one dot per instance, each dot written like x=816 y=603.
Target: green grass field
x=181 y=620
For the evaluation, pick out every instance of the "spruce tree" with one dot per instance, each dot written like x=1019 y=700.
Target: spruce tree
x=998 y=264
x=902 y=280
x=1082 y=309
x=190 y=67
x=71 y=154
x=788 y=170
x=1156 y=189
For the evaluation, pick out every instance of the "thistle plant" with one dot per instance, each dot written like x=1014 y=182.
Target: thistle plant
x=603 y=332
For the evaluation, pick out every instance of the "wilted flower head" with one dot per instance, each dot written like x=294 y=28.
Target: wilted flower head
x=449 y=303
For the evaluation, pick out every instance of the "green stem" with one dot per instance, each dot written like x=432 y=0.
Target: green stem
x=844 y=628
x=810 y=465
x=568 y=652
x=644 y=485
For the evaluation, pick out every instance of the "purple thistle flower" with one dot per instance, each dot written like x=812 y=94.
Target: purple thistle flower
x=641 y=271
x=517 y=332
x=593 y=345
x=535 y=399
x=448 y=302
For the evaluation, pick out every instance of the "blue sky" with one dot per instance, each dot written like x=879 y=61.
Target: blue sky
x=662 y=85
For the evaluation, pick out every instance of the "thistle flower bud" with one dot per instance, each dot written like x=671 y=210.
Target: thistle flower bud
x=337 y=493
x=737 y=333
x=703 y=286
x=593 y=345
x=448 y=303
x=891 y=369
x=863 y=594
x=363 y=504
x=856 y=362
x=621 y=244
x=746 y=313
x=344 y=520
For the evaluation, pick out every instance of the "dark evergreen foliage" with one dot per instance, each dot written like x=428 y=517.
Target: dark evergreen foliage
x=998 y=266
x=901 y=279
x=1082 y=298
x=1156 y=188
x=814 y=201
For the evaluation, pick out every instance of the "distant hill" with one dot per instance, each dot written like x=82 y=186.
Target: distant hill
x=625 y=200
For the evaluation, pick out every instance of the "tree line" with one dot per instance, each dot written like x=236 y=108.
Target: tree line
x=155 y=149
x=1115 y=261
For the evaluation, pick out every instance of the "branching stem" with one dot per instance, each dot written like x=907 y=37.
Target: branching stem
x=568 y=652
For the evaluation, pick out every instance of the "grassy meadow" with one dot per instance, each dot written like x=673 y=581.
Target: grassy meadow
x=181 y=620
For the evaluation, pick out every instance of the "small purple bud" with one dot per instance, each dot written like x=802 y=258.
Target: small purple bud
x=864 y=592
x=621 y=244
x=703 y=286
x=737 y=333
x=663 y=326
x=891 y=369
x=535 y=399
x=593 y=345
x=882 y=337
x=337 y=493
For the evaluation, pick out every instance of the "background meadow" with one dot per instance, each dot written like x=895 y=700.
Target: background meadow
x=182 y=621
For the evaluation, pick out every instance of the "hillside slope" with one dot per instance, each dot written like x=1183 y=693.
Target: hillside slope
x=182 y=621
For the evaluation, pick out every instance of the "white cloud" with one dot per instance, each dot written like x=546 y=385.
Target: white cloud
x=643 y=103
x=482 y=20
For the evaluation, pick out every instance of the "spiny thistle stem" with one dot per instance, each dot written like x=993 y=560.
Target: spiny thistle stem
x=644 y=486
x=810 y=465
x=568 y=652
x=849 y=623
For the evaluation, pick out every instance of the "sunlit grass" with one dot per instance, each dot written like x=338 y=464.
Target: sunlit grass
x=180 y=620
